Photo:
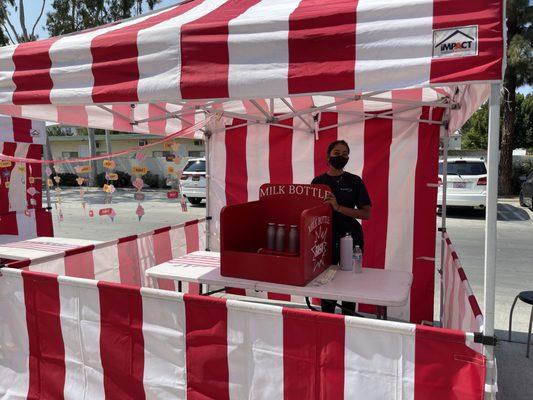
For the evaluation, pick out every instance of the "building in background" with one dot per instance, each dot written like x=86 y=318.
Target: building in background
x=157 y=157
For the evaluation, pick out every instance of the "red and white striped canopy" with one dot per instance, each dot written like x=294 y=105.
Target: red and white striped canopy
x=191 y=58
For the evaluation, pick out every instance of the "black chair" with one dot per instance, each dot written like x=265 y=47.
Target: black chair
x=526 y=297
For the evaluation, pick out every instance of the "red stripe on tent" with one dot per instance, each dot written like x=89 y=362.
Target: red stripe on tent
x=34 y=171
x=21 y=130
x=9 y=150
x=43 y=220
x=47 y=350
x=313 y=355
x=375 y=175
x=236 y=172
x=424 y=225
x=235 y=291
x=192 y=237
x=121 y=340
x=462 y=274
x=487 y=65
x=204 y=51
x=73 y=115
x=474 y=305
x=324 y=140
x=163 y=253
x=158 y=126
x=320 y=36
x=32 y=72
x=279 y=296
x=9 y=225
x=122 y=123
x=445 y=368
x=377 y=142
x=114 y=67
x=206 y=348
x=80 y=263
x=280 y=153
x=128 y=261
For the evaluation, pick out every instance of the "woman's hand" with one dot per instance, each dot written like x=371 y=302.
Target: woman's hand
x=331 y=200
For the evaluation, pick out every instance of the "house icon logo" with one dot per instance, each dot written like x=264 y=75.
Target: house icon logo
x=455 y=42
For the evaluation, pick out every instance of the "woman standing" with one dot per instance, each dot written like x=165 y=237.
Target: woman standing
x=349 y=200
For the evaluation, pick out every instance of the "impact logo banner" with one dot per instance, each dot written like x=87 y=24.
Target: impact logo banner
x=455 y=42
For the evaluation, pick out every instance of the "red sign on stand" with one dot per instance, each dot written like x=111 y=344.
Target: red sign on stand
x=243 y=230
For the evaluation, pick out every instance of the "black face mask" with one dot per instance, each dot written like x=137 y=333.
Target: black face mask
x=338 y=162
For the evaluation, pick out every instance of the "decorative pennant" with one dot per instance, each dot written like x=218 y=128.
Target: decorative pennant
x=112 y=176
x=31 y=180
x=138 y=170
x=5 y=164
x=138 y=183
x=48 y=171
x=140 y=157
x=57 y=179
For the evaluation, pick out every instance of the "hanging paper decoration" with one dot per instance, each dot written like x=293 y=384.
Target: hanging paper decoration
x=109 y=212
x=138 y=183
x=112 y=176
x=140 y=157
x=139 y=211
x=109 y=164
x=173 y=194
x=48 y=171
x=183 y=203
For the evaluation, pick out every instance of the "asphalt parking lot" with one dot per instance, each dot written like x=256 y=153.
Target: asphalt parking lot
x=514 y=273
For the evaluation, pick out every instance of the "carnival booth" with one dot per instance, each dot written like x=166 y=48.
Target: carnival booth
x=22 y=215
x=268 y=84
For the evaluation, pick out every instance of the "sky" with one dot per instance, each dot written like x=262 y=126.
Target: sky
x=33 y=8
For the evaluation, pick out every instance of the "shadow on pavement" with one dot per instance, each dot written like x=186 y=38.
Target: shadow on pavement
x=506 y=212
x=515 y=371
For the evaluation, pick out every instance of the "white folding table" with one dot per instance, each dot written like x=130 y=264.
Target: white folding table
x=383 y=288
x=41 y=247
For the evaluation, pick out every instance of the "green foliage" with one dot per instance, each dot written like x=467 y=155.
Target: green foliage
x=74 y=15
x=124 y=179
x=152 y=180
x=474 y=132
x=524 y=122
x=67 y=178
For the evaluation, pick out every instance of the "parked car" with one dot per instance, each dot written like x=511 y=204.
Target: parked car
x=193 y=182
x=467 y=183
x=526 y=192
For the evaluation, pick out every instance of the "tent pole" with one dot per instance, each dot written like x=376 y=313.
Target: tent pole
x=47 y=156
x=445 y=147
x=207 y=189
x=490 y=228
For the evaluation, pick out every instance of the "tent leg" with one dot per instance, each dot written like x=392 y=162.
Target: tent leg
x=490 y=229
x=47 y=156
x=446 y=141
x=207 y=194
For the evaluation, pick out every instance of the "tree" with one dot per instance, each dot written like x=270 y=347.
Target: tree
x=9 y=34
x=474 y=131
x=519 y=72
x=74 y=15
x=524 y=122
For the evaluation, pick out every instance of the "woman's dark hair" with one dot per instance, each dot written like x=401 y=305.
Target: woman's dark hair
x=335 y=143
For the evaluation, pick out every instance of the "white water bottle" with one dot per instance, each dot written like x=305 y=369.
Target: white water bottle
x=357 y=260
x=346 y=245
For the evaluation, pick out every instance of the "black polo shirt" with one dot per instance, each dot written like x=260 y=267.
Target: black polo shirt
x=350 y=191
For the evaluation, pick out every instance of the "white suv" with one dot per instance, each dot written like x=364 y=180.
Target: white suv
x=193 y=182
x=467 y=183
